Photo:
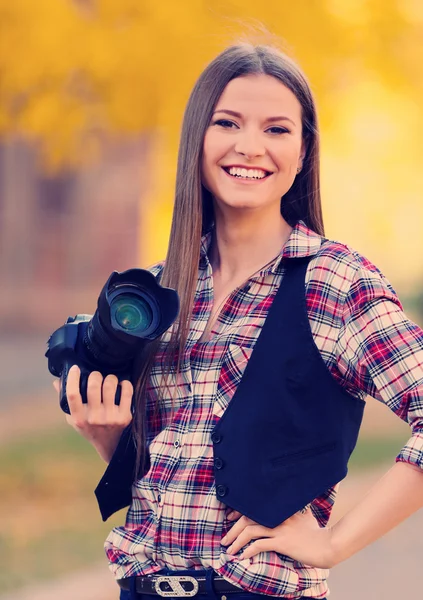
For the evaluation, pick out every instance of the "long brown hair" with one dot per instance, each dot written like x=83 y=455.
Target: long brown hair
x=193 y=210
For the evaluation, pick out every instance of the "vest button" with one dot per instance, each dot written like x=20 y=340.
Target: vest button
x=221 y=490
x=216 y=438
x=218 y=463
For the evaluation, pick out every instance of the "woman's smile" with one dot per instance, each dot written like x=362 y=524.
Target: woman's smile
x=246 y=175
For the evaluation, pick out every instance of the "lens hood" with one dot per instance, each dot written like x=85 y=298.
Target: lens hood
x=163 y=302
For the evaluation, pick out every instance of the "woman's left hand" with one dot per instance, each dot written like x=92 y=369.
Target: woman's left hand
x=300 y=537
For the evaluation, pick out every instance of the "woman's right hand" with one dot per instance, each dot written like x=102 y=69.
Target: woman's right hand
x=100 y=420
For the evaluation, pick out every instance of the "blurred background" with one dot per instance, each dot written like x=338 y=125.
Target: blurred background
x=92 y=95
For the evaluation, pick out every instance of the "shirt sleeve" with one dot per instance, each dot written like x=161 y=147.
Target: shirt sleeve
x=380 y=352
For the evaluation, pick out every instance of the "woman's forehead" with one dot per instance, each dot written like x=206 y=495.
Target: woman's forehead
x=259 y=94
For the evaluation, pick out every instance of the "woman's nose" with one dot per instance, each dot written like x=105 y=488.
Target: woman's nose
x=249 y=144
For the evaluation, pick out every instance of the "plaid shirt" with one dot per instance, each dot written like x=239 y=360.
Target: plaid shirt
x=369 y=347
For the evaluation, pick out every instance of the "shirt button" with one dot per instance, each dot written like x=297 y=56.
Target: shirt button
x=216 y=438
x=176 y=443
x=221 y=490
x=159 y=498
x=218 y=463
x=189 y=387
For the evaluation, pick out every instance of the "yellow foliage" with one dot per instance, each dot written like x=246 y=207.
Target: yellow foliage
x=72 y=71
x=68 y=66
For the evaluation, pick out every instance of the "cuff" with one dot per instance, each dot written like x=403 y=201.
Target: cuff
x=412 y=452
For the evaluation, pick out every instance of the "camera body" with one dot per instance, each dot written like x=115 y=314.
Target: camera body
x=132 y=309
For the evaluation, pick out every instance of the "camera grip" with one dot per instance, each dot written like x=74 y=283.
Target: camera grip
x=83 y=384
x=63 y=381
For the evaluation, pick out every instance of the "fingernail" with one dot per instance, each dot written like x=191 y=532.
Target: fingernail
x=224 y=540
x=229 y=550
x=241 y=557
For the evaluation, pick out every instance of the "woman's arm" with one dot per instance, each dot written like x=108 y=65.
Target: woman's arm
x=391 y=500
x=388 y=503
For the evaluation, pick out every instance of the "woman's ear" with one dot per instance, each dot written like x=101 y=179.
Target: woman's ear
x=302 y=156
x=303 y=151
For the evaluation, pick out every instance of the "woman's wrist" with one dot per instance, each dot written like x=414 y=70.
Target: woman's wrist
x=106 y=447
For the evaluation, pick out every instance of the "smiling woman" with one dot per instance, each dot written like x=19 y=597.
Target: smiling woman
x=254 y=146
x=249 y=407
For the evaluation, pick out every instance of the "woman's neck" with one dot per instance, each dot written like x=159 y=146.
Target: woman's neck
x=240 y=247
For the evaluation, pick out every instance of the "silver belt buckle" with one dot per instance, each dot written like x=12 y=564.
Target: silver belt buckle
x=175 y=583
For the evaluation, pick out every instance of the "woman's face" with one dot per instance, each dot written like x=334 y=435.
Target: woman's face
x=253 y=145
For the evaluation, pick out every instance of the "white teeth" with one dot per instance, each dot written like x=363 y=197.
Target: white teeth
x=247 y=173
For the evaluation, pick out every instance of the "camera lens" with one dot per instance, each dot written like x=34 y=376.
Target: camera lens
x=131 y=312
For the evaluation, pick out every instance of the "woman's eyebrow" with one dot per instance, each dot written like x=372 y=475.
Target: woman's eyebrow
x=268 y=120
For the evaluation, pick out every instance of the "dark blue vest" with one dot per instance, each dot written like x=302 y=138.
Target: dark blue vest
x=288 y=431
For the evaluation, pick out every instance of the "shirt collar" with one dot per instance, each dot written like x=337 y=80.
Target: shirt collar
x=302 y=242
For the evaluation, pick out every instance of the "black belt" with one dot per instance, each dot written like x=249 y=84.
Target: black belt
x=183 y=586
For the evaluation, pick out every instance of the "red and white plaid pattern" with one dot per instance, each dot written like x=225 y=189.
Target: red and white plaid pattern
x=368 y=345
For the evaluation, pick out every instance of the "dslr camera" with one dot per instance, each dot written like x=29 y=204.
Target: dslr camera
x=132 y=309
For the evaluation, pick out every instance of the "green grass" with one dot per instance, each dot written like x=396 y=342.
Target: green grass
x=49 y=519
x=372 y=452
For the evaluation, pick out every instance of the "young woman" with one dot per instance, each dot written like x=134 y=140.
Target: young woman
x=250 y=405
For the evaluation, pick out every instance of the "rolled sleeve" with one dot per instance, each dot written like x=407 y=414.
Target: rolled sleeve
x=380 y=353
x=412 y=452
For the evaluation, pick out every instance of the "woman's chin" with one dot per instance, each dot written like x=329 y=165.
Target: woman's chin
x=244 y=204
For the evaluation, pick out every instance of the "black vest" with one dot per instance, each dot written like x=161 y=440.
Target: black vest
x=288 y=431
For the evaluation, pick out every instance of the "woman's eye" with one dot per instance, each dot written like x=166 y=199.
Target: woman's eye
x=277 y=130
x=224 y=123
